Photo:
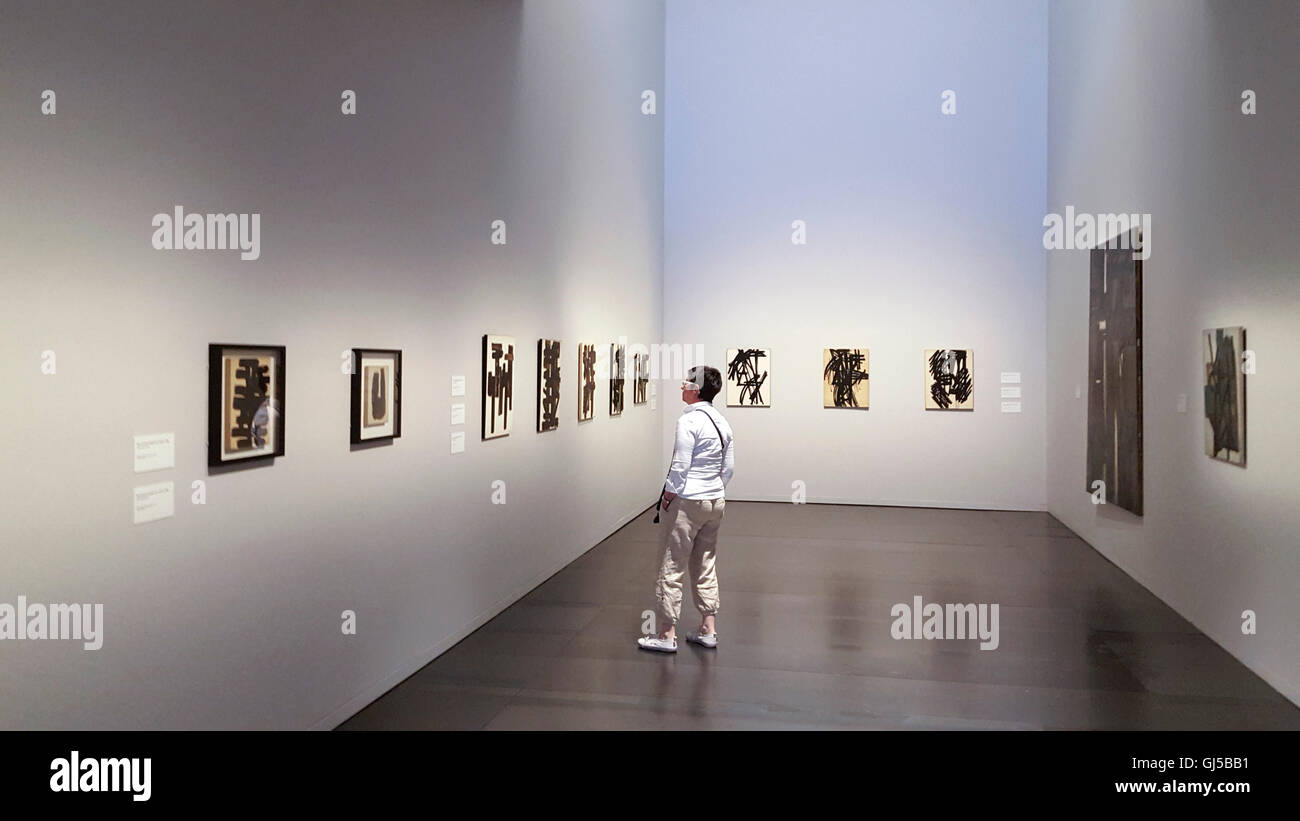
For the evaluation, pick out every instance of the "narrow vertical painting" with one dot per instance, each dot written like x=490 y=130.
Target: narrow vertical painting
x=1225 y=395
x=617 y=378
x=245 y=403
x=641 y=372
x=548 y=384
x=586 y=381
x=1114 y=461
x=949 y=379
x=748 y=377
x=845 y=375
x=498 y=385
x=376 y=402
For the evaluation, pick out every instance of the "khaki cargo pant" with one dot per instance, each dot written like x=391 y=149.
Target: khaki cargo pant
x=690 y=540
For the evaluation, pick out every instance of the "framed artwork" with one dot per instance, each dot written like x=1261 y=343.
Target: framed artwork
x=245 y=403
x=748 y=378
x=617 y=378
x=641 y=373
x=949 y=379
x=498 y=385
x=1115 y=375
x=548 y=384
x=845 y=375
x=586 y=381
x=376 y=395
x=1225 y=395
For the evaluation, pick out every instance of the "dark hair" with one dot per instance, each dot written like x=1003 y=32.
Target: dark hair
x=709 y=380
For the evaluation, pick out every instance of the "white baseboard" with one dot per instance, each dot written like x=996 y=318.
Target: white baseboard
x=934 y=503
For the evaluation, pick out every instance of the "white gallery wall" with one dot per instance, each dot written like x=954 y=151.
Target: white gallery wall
x=1146 y=117
x=375 y=232
x=923 y=231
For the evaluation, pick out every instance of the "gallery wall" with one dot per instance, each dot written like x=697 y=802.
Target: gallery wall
x=1146 y=117
x=923 y=231
x=375 y=231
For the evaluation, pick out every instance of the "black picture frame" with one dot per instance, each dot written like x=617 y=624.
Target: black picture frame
x=216 y=427
x=356 y=428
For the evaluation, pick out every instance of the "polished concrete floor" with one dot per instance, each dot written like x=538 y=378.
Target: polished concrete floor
x=806 y=644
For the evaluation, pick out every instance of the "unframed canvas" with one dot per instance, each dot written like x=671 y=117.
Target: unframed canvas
x=949 y=379
x=748 y=377
x=548 y=384
x=845 y=375
x=617 y=378
x=1115 y=376
x=498 y=385
x=641 y=368
x=1225 y=395
x=586 y=381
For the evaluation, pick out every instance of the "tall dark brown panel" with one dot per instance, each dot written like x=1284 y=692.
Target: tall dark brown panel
x=1115 y=376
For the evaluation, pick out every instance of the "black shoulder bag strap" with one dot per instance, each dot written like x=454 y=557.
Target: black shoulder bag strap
x=721 y=441
x=722 y=465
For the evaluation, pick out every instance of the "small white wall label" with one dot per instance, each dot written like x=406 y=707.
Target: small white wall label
x=155 y=451
x=153 y=502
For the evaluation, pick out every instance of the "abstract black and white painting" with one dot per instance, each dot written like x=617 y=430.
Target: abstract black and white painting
x=376 y=395
x=1225 y=395
x=245 y=403
x=548 y=384
x=586 y=381
x=617 y=378
x=641 y=370
x=748 y=377
x=498 y=385
x=845 y=374
x=949 y=379
x=1115 y=376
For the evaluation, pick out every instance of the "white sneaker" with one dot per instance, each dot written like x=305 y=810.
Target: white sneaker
x=657 y=645
x=710 y=640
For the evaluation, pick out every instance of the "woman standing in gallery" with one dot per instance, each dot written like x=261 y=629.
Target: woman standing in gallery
x=692 y=503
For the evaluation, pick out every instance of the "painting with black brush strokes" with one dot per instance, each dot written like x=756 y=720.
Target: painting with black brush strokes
x=641 y=370
x=498 y=385
x=548 y=384
x=245 y=403
x=1225 y=395
x=949 y=379
x=617 y=378
x=845 y=378
x=586 y=381
x=748 y=377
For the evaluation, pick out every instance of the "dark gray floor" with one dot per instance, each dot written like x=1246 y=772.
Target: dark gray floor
x=805 y=638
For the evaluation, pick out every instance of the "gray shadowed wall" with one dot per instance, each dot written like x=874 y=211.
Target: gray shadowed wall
x=1146 y=117
x=375 y=232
